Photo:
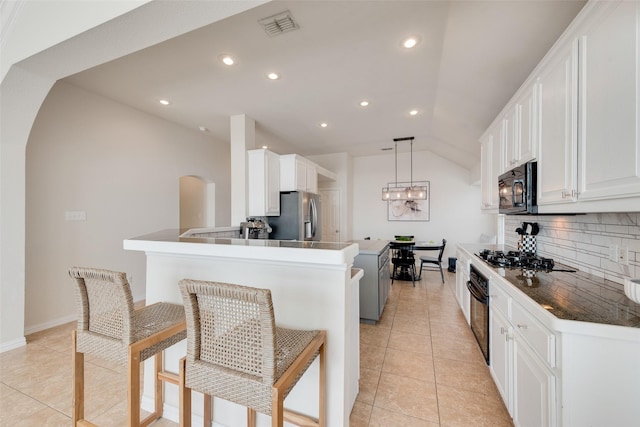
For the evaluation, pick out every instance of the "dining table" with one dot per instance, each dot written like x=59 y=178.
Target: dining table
x=404 y=251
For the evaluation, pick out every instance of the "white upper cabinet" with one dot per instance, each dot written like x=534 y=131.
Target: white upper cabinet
x=298 y=174
x=557 y=84
x=263 y=176
x=491 y=167
x=609 y=147
x=519 y=139
x=578 y=115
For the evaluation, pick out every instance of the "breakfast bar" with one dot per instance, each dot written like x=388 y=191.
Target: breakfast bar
x=313 y=286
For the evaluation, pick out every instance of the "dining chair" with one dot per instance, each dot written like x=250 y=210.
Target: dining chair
x=111 y=329
x=436 y=261
x=403 y=260
x=236 y=352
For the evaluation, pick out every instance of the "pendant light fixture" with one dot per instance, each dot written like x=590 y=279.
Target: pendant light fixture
x=412 y=192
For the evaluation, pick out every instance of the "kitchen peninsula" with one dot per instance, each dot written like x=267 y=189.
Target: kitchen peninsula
x=313 y=286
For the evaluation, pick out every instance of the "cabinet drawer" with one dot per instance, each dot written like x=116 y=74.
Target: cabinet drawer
x=539 y=338
x=383 y=258
x=499 y=299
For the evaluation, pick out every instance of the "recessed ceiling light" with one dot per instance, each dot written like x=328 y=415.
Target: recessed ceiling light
x=227 y=59
x=165 y=102
x=273 y=76
x=203 y=129
x=411 y=42
x=324 y=125
x=413 y=112
x=364 y=103
x=265 y=146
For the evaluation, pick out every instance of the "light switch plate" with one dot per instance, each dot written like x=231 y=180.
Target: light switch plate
x=613 y=253
x=623 y=256
x=75 y=215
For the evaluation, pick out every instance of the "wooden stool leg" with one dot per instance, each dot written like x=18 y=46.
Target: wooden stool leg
x=323 y=387
x=185 y=398
x=251 y=418
x=277 y=408
x=78 y=381
x=133 y=395
x=208 y=410
x=158 y=394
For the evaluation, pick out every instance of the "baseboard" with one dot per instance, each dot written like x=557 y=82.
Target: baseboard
x=50 y=324
x=17 y=343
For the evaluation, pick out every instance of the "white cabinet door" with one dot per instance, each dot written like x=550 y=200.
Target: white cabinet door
x=609 y=106
x=298 y=174
x=534 y=389
x=557 y=125
x=519 y=120
x=527 y=143
x=511 y=139
x=500 y=334
x=490 y=165
x=462 y=293
x=263 y=171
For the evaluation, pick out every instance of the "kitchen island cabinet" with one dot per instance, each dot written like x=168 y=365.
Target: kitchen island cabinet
x=313 y=286
x=375 y=285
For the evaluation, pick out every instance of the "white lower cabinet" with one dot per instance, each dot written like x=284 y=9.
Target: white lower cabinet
x=500 y=354
x=462 y=277
x=534 y=388
x=522 y=356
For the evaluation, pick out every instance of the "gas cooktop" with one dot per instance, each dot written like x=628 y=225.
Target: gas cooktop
x=520 y=260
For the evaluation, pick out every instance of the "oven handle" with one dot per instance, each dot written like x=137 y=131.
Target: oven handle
x=474 y=292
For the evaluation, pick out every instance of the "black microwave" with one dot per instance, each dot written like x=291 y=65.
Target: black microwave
x=517 y=190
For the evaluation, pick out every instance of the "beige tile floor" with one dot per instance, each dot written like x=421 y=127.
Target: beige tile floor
x=420 y=366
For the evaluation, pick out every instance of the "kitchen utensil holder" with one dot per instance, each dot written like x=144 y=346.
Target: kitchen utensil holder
x=527 y=244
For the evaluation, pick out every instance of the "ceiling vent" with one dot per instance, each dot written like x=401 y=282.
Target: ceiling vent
x=279 y=24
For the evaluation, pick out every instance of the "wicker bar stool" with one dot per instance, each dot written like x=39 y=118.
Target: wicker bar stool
x=110 y=328
x=237 y=353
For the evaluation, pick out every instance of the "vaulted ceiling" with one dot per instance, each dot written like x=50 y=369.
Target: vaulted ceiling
x=471 y=58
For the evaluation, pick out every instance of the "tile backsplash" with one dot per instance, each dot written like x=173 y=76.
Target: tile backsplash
x=584 y=241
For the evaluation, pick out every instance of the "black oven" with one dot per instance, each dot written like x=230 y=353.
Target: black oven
x=517 y=190
x=478 y=286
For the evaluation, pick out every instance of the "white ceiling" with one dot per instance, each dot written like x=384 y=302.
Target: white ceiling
x=472 y=57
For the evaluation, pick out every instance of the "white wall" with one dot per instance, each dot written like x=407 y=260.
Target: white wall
x=455 y=203
x=119 y=165
x=25 y=85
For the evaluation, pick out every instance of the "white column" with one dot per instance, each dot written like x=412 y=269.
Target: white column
x=243 y=138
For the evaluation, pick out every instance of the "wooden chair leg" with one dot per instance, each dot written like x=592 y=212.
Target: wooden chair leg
x=208 y=410
x=251 y=418
x=159 y=390
x=277 y=408
x=77 y=411
x=133 y=394
x=323 y=387
x=185 y=398
x=441 y=273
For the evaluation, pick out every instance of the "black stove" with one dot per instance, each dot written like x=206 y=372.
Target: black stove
x=519 y=260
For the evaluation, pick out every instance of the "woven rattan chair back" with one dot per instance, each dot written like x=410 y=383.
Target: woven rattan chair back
x=105 y=313
x=235 y=351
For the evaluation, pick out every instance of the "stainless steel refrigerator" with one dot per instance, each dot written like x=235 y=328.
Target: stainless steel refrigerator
x=299 y=217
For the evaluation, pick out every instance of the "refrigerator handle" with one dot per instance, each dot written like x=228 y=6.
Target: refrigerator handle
x=314 y=217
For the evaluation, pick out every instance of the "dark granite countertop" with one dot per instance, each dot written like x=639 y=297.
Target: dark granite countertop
x=577 y=296
x=571 y=296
